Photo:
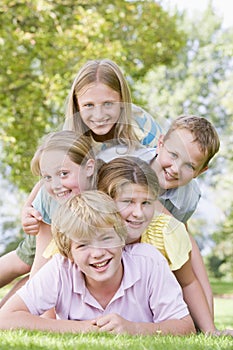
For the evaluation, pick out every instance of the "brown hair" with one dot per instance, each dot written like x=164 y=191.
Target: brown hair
x=128 y=170
x=203 y=132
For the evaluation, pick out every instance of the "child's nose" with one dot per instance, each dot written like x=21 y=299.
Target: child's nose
x=176 y=166
x=98 y=111
x=137 y=210
x=56 y=183
x=97 y=252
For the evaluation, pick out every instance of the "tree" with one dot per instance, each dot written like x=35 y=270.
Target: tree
x=223 y=251
x=43 y=45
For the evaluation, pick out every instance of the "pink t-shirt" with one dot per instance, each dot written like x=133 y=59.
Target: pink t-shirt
x=149 y=292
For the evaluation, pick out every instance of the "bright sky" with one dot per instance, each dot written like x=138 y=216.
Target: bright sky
x=223 y=7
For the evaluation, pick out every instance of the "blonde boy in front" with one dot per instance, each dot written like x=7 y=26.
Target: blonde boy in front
x=97 y=285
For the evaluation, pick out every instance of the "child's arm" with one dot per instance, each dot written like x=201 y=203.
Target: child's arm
x=200 y=271
x=114 y=323
x=31 y=218
x=43 y=238
x=195 y=298
x=15 y=314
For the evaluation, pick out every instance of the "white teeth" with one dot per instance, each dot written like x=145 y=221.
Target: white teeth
x=134 y=223
x=63 y=194
x=101 y=264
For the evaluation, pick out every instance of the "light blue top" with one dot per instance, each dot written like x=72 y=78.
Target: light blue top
x=45 y=204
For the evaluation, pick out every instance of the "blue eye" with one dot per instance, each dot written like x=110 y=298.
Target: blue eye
x=88 y=105
x=108 y=104
x=190 y=167
x=173 y=155
x=47 y=178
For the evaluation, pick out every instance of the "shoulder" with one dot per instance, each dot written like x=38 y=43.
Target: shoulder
x=179 y=194
x=144 y=251
x=182 y=201
x=144 y=153
x=147 y=128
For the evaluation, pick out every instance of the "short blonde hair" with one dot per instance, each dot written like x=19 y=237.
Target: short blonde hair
x=121 y=171
x=81 y=216
x=78 y=148
x=203 y=132
x=108 y=73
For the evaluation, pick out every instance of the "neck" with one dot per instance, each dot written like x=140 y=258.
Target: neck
x=102 y=138
x=104 y=291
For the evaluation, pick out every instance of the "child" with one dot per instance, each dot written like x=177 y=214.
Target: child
x=96 y=286
x=65 y=163
x=99 y=104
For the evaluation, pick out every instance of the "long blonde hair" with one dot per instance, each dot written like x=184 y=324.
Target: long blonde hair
x=108 y=73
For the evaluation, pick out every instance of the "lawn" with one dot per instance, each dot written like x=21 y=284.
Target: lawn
x=23 y=340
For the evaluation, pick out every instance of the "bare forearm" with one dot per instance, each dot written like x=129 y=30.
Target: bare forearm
x=183 y=326
x=201 y=274
x=32 y=194
x=198 y=307
x=25 y=320
x=114 y=323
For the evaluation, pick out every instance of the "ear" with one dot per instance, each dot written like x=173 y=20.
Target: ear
x=90 y=166
x=160 y=142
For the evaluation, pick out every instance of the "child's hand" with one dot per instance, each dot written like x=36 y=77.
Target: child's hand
x=224 y=332
x=113 y=323
x=31 y=219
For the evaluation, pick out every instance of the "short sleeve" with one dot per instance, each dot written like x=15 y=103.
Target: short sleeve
x=177 y=243
x=146 y=128
x=170 y=237
x=182 y=201
x=45 y=204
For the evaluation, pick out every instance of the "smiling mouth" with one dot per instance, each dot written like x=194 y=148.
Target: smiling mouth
x=169 y=176
x=135 y=223
x=101 y=123
x=63 y=194
x=101 y=265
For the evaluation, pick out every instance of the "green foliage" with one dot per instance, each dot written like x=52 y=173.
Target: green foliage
x=214 y=264
x=200 y=80
x=223 y=251
x=44 y=43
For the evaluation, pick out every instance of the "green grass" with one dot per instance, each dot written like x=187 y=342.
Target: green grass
x=23 y=340
x=221 y=287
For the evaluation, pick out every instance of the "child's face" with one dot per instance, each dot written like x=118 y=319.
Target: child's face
x=179 y=160
x=96 y=259
x=100 y=108
x=136 y=207
x=62 y=177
